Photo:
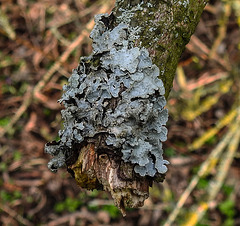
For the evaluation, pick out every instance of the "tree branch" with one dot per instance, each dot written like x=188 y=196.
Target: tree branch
x=114 y=117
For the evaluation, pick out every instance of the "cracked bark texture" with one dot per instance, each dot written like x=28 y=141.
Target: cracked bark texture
x=163 y=28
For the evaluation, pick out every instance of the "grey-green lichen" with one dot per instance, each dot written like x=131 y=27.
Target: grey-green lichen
x=120 y=98
x=165 y=28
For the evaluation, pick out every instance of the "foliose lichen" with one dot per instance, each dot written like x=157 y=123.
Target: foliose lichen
x=120 y=96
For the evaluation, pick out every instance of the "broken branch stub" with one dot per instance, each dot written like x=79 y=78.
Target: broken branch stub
x=114 y=117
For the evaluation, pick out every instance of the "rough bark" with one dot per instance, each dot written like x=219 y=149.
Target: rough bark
x=161 y=27
x=104 y=171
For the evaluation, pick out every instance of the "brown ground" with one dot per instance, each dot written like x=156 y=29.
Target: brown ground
x=41 y=42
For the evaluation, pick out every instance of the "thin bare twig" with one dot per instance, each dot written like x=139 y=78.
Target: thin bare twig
x=215 y=186
x=206 y=166
x=84 y=214
x=221 y=30
x=33 y=93
x=15 y=215
x=26 y=102
x=197 y=46
x=226 y=120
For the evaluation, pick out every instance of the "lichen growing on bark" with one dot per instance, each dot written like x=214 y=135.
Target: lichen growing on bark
x=165 y=27
x=122 y=98
x=115 y=116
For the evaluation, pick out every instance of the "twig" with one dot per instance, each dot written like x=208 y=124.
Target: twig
x=4 y=23
x=84 y=214
x=41 y=205
x=26 y=102
x=206 y=167
x=66 y=54
x=206 y=79
x=58 y=63
x=221 y=30
x=226 y=120
x=225 y=164
x=216 y=185
x=32 y=93
x=15 y=215
x=206 y=104
x=197 y=46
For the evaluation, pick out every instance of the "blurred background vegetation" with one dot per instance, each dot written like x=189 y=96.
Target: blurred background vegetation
x=41 y=42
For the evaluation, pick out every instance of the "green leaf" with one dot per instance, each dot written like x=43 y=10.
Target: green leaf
x=227 y=208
